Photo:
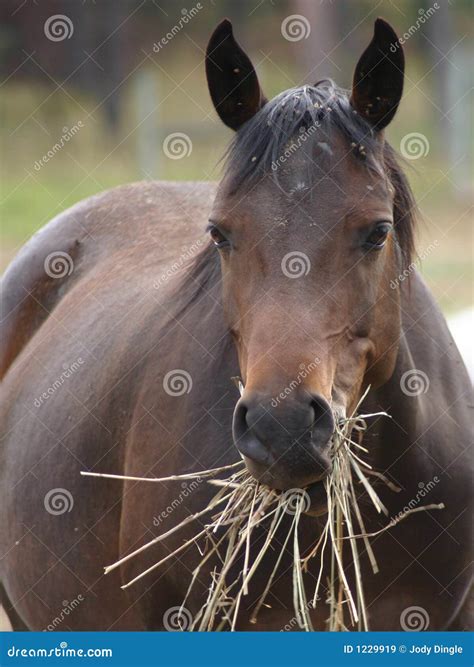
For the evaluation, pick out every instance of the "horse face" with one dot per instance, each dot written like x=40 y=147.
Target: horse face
x=308 y=254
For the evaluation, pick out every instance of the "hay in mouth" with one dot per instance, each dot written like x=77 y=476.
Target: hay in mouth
x=242 y=504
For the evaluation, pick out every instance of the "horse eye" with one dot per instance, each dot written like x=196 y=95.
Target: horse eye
x=378 y=235
x=218 y=237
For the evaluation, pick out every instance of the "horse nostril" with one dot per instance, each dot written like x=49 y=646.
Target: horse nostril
x=284 y=447
x=323 y=425
x=239 y=424
x=245 y=439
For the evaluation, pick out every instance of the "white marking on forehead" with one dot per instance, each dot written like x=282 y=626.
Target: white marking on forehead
x=300 y=186
x=383 y=187
x=325 y=147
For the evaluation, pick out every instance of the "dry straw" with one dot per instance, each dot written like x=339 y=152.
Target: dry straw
x=242 y=504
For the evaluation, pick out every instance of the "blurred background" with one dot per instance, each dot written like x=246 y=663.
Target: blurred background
x=94 y=92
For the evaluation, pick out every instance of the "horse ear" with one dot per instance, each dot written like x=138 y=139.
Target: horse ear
x=232 y=80
x=378 y=78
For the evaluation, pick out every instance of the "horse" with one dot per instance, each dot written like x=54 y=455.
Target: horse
x=127 y=316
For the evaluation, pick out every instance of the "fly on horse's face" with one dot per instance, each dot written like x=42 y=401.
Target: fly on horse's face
x=305 y=224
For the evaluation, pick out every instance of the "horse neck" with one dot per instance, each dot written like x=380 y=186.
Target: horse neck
x=405 y=425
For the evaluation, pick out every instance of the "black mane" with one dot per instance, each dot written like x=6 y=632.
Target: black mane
x=309 y=110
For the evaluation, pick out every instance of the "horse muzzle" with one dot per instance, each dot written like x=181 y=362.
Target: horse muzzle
x=285 y=446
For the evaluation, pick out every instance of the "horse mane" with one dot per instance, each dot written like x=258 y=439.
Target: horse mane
x=200 y=278
x=404 y=205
